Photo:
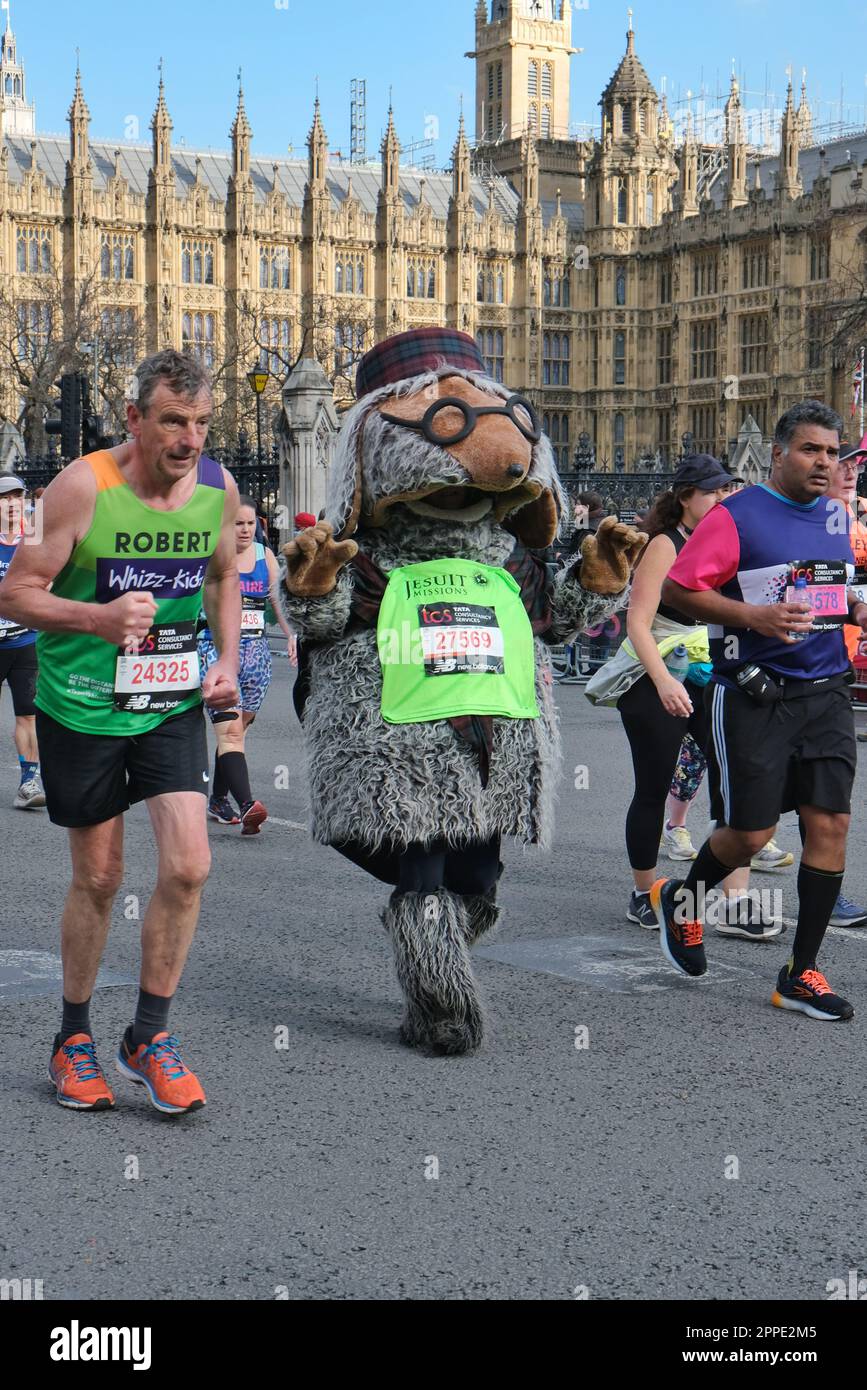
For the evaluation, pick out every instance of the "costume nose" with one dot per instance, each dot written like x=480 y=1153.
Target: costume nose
x=515 y=470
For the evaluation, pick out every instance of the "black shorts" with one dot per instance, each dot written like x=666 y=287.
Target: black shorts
x=91 y=778
x=764 y=760
x=18 y=666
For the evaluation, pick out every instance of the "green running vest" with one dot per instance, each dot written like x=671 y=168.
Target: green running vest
x=132 y=547
x=454 y=638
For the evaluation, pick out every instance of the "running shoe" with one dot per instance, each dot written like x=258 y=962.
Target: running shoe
x=743 y=916
x=253 y=814
x=676 y=843
x=772 y=859
x=157 y=1065
x=640 y=911
x=682 y=942
x=809 y=993
x=78 y=1076
x=29 y=796
x=221 y=810
x=847 y=914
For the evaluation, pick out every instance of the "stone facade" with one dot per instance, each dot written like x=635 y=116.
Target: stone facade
x=638 y=285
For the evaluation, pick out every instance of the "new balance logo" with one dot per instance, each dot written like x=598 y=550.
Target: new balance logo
x=138 y=702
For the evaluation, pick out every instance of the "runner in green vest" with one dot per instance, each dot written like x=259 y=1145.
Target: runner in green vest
x=133 y=539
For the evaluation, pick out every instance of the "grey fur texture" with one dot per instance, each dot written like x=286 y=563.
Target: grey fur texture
x=428 y=936
x=482 y=915
x=376 y=782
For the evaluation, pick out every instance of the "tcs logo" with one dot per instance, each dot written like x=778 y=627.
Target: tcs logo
x=432 y=617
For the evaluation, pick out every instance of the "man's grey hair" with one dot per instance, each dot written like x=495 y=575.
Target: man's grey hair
x=805 y=413
x=180 y=371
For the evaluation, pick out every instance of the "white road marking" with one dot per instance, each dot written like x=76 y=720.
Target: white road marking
x=288 y=824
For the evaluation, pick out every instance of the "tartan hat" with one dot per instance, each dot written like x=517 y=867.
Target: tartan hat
x=409 y=354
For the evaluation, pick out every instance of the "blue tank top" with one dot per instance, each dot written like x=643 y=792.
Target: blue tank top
x=11 y=635
x=255 y=593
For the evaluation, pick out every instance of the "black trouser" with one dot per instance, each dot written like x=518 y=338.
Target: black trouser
x=470 y=870
x=655 y=737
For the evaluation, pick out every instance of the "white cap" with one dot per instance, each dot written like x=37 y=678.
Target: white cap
x=9 y=483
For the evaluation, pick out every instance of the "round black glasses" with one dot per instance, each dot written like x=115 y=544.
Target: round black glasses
x=442 y=431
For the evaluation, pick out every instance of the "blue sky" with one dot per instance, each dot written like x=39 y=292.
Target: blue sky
x=415 y=49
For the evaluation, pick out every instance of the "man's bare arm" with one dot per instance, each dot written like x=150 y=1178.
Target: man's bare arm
x=221 y=596
x=777 y=620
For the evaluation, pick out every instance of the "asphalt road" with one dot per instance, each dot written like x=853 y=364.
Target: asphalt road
x=600 y=1169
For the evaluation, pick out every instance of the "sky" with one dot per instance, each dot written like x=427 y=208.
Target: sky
x=412 y=51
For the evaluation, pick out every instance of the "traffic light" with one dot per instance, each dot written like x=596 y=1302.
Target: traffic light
x=68 y=426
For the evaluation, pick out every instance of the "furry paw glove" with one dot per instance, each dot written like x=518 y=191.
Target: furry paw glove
x=608 y=557
x=314 y=559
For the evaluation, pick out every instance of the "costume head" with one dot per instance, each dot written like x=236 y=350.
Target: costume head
x=482 y=455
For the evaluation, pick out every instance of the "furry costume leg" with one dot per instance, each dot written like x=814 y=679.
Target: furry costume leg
x=482 y=915
x=428 y=934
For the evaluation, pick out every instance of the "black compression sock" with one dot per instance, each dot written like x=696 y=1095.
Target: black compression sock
x=705 y=872
x=151 y=1017
x=76 y=1019
x=234 y=768
x=220 y=786
x=818 y=890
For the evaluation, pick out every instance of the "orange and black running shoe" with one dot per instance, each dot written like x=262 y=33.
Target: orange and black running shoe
x=157 y=1066
x=78 y=1076
x=809 y=993
x=682 y=942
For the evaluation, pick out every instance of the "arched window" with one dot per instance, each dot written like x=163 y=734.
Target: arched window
x=619 y=429
x=18 y=86
x=546 y=290
x=620 y=285
x=626 y=118
x=419 y=283
x=546 y=122
x=338 y=278
x=649 y=207
x=431 y=283
x=186 y=263
x=547 y=81
x=567 y=291
x=622 y=201
x=9 y=86
x=533 y=79
x=264 y=271
x=116 y=269
x=350 y=277
x=490 y=287
x=186 y=329
x=359 y=279
x=128 y=261
x=533 y=116
x=480 y=287
x=209 y=266
x=501 y=287
x=619 y=359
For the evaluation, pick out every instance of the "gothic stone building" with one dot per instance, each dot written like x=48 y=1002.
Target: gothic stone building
x=637 y=285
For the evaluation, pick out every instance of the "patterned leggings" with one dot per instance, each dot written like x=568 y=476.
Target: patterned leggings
x=690 y=769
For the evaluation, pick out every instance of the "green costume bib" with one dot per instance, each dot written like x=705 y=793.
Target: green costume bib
x=86 y=683
x=454 y=639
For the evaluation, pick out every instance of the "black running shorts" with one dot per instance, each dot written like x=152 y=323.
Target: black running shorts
x=764 y=760
x=18 y=666
x=91 y=778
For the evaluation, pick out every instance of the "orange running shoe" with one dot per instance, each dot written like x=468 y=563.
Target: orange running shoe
x=157 y=1065
x=682 y=942
x=78 y=1076
x=252 y=816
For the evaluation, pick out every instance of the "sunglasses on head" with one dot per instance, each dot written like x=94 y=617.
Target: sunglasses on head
x=438 y=428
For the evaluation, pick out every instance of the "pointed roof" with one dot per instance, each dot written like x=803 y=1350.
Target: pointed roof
x=390 y=139
x=161 y=114
x=78 y=109
x=461 y=145
x=630 y=79
x=241 y=129
x=317 y=130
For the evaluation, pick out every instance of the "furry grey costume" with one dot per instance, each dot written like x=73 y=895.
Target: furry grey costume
x=391 y=785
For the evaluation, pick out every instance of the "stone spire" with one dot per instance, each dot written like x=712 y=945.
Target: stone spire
x=461 y=166
x=789 y=178
x=736 y=192
x=689 y=172
x=390 y=152
x=79 y=127
x=17 y=117
x=161 y=125
x=317 y=146
x=241 y=136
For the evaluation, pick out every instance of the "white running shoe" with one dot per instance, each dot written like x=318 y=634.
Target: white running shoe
x=676 y=843
x=29 y=796
x=772 y=859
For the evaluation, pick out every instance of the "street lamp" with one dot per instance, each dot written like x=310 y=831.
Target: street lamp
x=258 y=381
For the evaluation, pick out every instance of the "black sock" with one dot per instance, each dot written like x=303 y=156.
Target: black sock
x=76 y=1019
x=705 y=872
x=151 y=1017
x=234 y=768
x=220 y=786
x=818 y=890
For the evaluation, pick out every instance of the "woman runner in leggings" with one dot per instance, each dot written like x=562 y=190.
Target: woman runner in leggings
x=259 y=574
x=659 y=710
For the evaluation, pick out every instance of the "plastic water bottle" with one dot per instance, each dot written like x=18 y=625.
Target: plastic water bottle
x=677 y=662
x=799 y=596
